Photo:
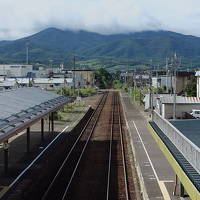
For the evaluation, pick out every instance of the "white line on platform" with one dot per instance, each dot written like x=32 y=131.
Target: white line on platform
x=160 y=183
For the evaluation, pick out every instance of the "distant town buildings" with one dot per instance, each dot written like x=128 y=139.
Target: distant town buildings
x=168 y=104
x=15 y=70
x=87 y=76
x=138 y=78
x=158 y=80
x=19 y=75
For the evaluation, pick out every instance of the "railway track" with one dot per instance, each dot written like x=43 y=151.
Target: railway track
x=59 y=186
x=112 y=168
x=117 y=162
x=96 y=166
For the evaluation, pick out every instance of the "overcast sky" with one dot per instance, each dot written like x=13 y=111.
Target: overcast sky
x=21 y=18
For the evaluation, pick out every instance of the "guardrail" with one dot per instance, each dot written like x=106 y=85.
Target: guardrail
x=189 y=150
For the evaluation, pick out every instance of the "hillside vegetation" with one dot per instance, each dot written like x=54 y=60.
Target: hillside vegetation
x=136 y=48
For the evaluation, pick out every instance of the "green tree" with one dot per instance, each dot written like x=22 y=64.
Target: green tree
x=117 y=84
x=103 y=78
x=191 y=87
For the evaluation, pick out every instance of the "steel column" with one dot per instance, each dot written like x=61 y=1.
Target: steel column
x=6 y=155
x=28 y=140
x=42 y=129
x=52 y=122
x=49 y=123
x=182 y=190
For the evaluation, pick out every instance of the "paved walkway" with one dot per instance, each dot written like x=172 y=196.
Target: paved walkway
x=155 y=172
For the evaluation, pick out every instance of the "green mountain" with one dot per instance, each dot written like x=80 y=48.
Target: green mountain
x=57 y=45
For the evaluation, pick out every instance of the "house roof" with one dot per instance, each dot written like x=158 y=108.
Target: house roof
x=51 y=80
x=23 y=80
x=7 y=83
x=83 y=70
x=180 y=100
x=12 y=81
x=48 y=80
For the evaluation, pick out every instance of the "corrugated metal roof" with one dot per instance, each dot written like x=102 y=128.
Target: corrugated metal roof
x=7 y=83
x=180 y=100
x=48 y=80
x=35 y=80
x=23 y=80
x=69 y=80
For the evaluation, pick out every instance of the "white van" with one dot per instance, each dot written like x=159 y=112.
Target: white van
x=195 y=113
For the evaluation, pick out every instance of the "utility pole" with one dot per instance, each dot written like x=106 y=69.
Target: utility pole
x=151 y=93
x=74 y=66
x=174 y=103
x=166 y=74
x=175 y=65
x=128 y=77
x=27 y=52
x=51 y=66
x=134 y=84
x=150 y=76
x=140 y=89
x=157 y=81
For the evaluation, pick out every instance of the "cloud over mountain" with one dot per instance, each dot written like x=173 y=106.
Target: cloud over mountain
x=21 y=17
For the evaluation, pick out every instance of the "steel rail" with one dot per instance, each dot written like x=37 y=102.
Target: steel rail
x=116 y=105
x=103 y=99
x=123 y=155
x=110 y=151
x=91 y=132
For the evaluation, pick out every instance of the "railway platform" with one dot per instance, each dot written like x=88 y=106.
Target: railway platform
x=155 y=173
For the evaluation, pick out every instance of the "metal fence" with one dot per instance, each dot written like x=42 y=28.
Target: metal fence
x=190 y=151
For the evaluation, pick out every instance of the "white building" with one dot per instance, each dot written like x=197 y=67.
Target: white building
x=52 y=83
x=182 y=79
x=183 y=105
x=151 y=100
x=40 y=72
x=162 y=81
x=43 y=83
x=198 y=83
x=15 y=70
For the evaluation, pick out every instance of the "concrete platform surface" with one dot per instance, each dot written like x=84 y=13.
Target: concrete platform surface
x=155 y=173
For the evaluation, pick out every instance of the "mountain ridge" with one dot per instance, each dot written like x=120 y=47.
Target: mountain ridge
x=56 y=44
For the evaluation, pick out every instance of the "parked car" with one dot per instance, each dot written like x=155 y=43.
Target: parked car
x=195 y=113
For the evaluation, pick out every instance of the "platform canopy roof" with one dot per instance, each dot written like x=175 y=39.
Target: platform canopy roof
x=22 y=107
x=189 y=128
